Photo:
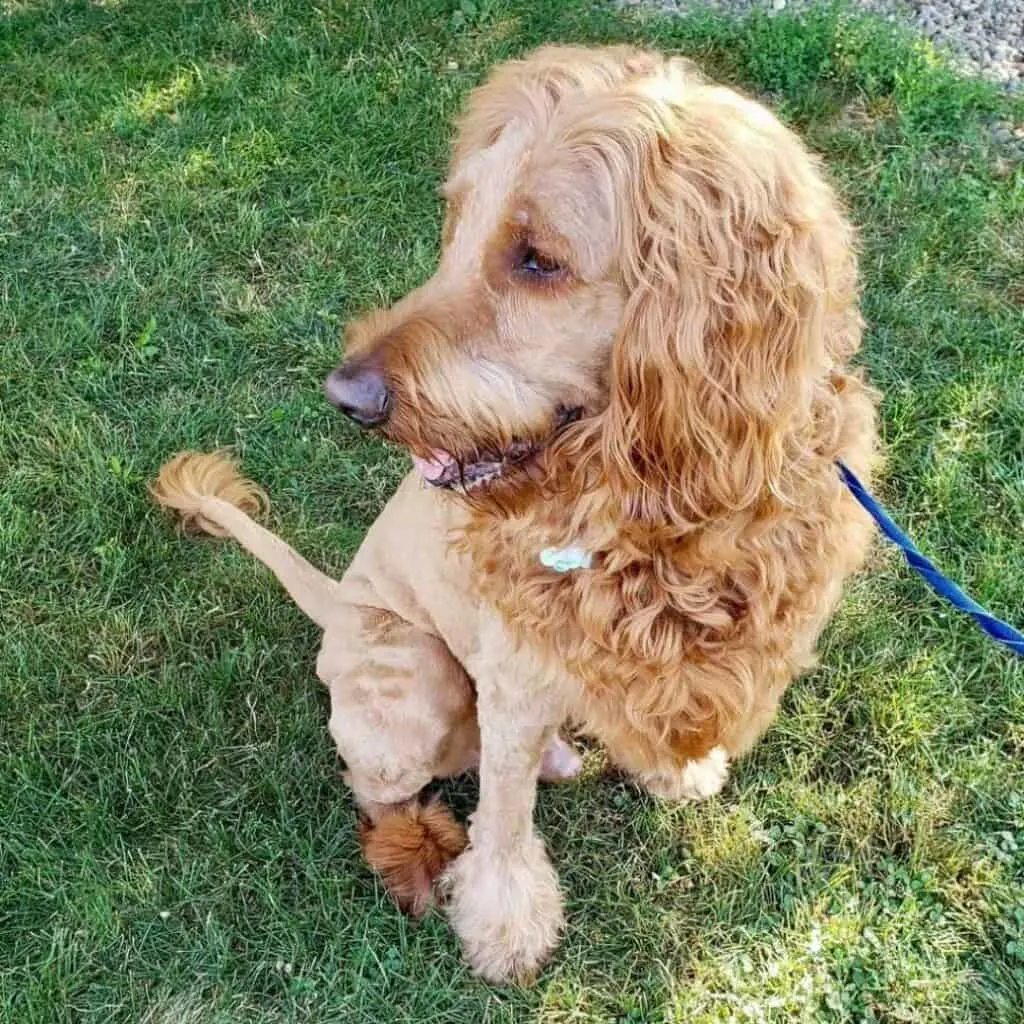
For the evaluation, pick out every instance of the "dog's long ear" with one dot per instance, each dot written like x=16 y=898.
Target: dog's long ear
x=741 y=284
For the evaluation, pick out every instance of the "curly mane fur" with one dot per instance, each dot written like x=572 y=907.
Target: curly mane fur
x=706 y=487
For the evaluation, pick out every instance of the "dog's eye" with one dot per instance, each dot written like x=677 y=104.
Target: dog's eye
x=532 y=261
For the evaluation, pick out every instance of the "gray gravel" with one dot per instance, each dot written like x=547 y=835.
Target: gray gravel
x=984 y=37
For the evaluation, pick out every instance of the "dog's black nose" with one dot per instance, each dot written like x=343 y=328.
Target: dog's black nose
x=360 y=392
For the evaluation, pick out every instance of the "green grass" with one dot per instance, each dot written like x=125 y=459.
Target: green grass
x=194 y=198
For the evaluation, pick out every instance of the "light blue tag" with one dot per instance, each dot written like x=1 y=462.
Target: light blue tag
x=565 y=559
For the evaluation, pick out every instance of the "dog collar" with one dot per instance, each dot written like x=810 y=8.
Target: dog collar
x=566 y=559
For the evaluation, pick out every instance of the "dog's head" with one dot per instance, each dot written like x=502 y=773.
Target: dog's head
x=643 y=279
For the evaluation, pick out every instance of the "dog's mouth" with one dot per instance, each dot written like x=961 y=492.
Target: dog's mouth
x=449 y=472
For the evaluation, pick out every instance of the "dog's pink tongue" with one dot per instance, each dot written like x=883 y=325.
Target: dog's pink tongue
x=433 y=468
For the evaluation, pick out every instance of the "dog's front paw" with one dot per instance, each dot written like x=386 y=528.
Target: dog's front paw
x=506 y=907
x=699 y=779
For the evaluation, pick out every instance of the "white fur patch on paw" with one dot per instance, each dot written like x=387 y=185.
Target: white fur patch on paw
x=698 y=780
x=560 y=762
x=706 y=776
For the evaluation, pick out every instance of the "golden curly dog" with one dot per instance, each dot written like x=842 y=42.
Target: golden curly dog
x=624 y=390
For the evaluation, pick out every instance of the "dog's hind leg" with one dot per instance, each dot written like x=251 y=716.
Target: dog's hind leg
x=403 y=712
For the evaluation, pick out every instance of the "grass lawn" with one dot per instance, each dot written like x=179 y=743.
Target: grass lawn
x=194 y=197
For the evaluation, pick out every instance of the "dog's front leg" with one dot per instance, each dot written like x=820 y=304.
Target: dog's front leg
x=504 y=900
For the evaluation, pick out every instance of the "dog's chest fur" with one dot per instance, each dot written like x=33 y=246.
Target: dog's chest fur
x=611 y=623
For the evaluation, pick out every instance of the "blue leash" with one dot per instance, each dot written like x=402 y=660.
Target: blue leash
x=942 y=585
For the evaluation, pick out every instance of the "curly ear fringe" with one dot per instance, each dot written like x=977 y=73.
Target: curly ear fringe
x=742 y=284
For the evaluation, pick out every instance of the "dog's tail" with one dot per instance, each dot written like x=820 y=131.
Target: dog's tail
x=209 y=494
